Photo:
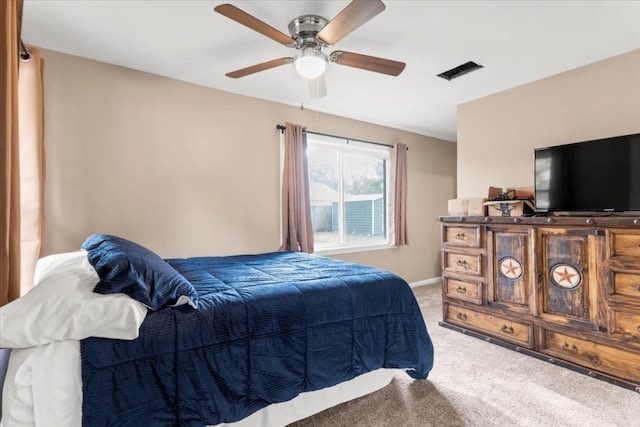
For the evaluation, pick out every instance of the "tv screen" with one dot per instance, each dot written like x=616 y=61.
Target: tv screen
x=599 y=175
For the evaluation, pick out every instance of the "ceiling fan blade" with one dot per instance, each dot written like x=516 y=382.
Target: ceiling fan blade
x=351 y=17
x=255 y=24
x=259 y=67
x=366 y=62
x=317 y=87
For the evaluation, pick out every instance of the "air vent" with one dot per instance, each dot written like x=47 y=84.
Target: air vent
x=460 y=70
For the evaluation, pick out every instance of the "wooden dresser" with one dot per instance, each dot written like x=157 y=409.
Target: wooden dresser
x=562 y=289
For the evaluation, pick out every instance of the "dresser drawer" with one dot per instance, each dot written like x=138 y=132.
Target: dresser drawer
x=627 y=324
x=460 y=236
x=624 y=243
x=611 y=360
x=462 y=263
x=516 y=332
x=463 y=290
x=627 y=284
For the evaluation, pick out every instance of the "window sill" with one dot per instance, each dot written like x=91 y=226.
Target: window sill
x=352 y=249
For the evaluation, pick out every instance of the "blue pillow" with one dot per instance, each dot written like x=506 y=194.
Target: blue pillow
x=129 y=268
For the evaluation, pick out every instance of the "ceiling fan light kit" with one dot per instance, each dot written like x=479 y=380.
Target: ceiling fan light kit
x=312 y=33
x=310 y=63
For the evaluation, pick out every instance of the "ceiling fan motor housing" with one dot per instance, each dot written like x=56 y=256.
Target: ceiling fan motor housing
x=304 y=30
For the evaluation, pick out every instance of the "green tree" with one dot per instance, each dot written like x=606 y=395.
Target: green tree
x=369 y=182
x=323 y=173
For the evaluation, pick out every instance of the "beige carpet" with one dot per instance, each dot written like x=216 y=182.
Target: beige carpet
x=474 y=383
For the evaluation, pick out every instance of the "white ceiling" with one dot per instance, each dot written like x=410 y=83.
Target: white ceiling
x=516 y=41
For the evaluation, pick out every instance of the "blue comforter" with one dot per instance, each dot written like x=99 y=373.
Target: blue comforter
x=268 y=327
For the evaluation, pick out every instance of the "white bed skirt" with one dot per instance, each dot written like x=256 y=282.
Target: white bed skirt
x=306 y=404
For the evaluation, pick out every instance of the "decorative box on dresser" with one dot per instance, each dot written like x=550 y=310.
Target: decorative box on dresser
x=564 y=289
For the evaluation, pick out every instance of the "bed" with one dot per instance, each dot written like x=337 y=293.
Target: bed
x=262 y=339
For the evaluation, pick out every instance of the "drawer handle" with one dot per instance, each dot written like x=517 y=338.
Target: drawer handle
x=461 y=316
x=461 y=263
x=638 y=328
x=507 y=329
x=463 y=290
x=460 y=236
x=638 y=287
x=570 y=348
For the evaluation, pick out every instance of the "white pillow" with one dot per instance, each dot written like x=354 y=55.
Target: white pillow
x=62 y=263
x=63 y=306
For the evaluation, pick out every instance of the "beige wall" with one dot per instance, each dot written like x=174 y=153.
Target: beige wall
x=497 y=134
x=190 y=171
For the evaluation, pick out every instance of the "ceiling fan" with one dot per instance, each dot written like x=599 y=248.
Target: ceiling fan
x=309 y=35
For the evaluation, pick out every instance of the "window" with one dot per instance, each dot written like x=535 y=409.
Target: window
x=348 y=184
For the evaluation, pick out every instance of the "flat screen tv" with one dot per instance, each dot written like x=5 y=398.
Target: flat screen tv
x=601 y=175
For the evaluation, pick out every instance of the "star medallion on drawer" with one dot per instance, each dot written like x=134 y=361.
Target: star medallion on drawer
x=565 y=276
x=510 y=268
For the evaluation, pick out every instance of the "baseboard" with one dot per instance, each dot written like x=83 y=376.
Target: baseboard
x=431 y=281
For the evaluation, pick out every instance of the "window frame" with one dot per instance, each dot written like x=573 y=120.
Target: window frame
x=349 y=146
